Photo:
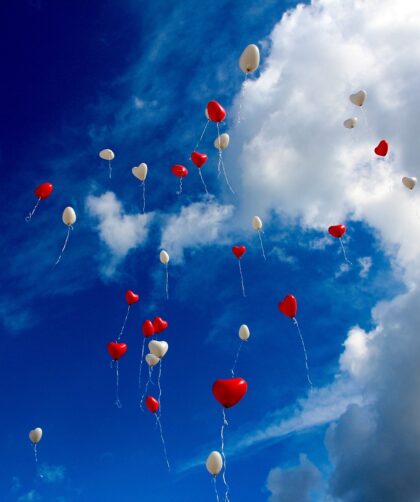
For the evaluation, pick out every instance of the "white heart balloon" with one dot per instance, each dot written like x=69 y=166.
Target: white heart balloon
x=214 y=463
x=157 y=348
x=164 y=257
x=222 y=141
x=257 y=223
x=69 y=216
x=358 y=98
x=35 y=435
x=408 y=182
x=107 y=154
x=140 y=172
x=250 y=59
x=152 y=360
x=350 y=123
x=244 y=332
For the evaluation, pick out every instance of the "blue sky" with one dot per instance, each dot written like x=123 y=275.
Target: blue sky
x=136 y=78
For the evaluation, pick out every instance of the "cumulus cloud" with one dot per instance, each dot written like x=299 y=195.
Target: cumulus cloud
x=52 y=473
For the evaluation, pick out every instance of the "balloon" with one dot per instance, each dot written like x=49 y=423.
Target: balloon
x=358 y=98
x=164 y=257
x=215 y=111
x=288 y=306
x=131 y=297
x=179 y=171
x=152 y=360
x=229 y=392
x=198 y=158
x=250 y=59
x=147 y=328
x=257 y=224
x=410 y=183
x=159 y=324
x=214 y=463
x=69 y=216
x=350 y=123
x=107 y=154
x=35 y=435
x=116 y=350
x=43 y=191
x=238 y=251
x=382 y=148
x=159 y=349
x=140 y=172
x=152 y=404
x=222 y=141
x=337 y=230
x=244 y=332
x=206 y=113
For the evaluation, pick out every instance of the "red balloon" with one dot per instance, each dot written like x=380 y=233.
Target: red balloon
x=288 y=306
x=229 y=392
x=148 y=329
x=179 y=171
x=152 y=404
x=198 y=158
x=43 y=191
x=131 y=297
x=159 y=324
x=215 y=111
x=238 y=251
x=116 y=350
x=337 y=230
x=382 y=148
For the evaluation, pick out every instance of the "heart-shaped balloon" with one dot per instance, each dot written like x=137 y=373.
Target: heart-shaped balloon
x=179 y=171
x=337 y=230
x=152 y=360
x=229 y=392
x=238 y=251
x=43 y=191
x=35 y=435
x=244 y=332
x=198 y=158
x=159 y=324
x=147 y=328
x=358 y=98
x=131 y=297
x=116 y=350
x=140 y=172
x=152 y=404
x=382 y=148
x=215 y=111
x=288 y=306
x=159 y=349
x=408 y=182
x=350 y=123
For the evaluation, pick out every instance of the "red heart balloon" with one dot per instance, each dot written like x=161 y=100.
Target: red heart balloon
x=148 y=329
x=215 y=111
x=116 y=350
x=159 y=324
x=238 y=251
x=179 y=171
x=198 y=158
x=382 y=148
x=131 y=297
x=152 y=404
x=288 y=306
x=229 y=392
x=337 y=230
x=43 y=191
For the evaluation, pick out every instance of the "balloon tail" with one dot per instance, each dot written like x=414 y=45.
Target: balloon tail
x=242 y=278
x=201 y=137
x=179 y=192
x=304 y=352
x=117 y=386
x=222 y=437
x=215 y=488
x=159 y=389
x=124 y=323
x=146 y=387
x=241 y=98
x=225 y=174
x=236 y=358
x=29 y=217
x=65 y=245
x=163 y=441
x=167 y=281
x=262 y=245
x=110 y=169
x=220 y=164
x=202 y=181
x=140 y=368
x=35 y=454
x=344 y=252
x=144 y=196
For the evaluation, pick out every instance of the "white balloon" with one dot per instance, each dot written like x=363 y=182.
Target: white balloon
x=152 y=360
x=206 y=113
x=35 y=435
x=408 y=182
x=69 y=216
x=350 y=123
x=164 y=257
x=244 y=332
x=257 y=223
x=107 y=154
x=214 y=463
x=157 y=348
x=140 y=172
x=222 y=141
x=250 y=59
x=358 y=98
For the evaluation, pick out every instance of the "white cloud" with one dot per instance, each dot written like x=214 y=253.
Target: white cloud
x=52 y=473
x=365 y=265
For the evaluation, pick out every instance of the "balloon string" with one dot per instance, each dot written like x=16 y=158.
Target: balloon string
x=110 y=169
x=215 y=488
x=35 y=454
x=29 y=217
x=167 y=281
x=144 y=196
x=222 y=431
x=160 y=389
x=179 y=192
x=163 y=441
x=202 y=181
x=65 y=245
x=242 y=278
x=145 y=388
x=304 y=351
x=262 y=245
x=124 y=323
x=344 y=252
x=241 y=98
x=201 y=137
x=141 y=367
x=220 y=164
x=117 y=386
x=236 y=358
